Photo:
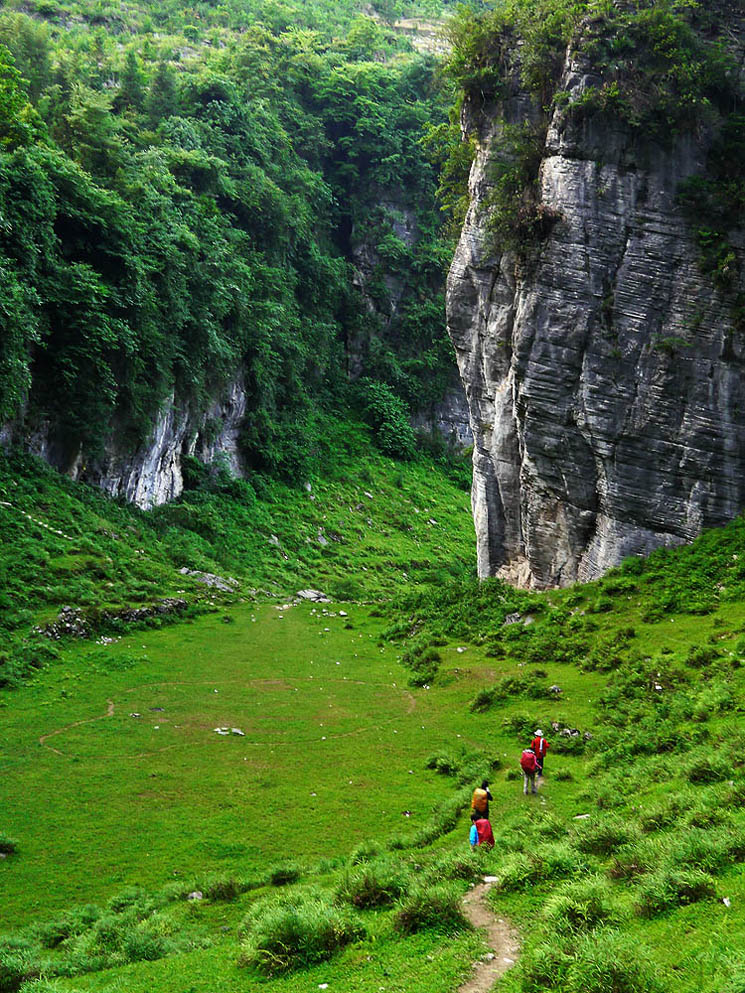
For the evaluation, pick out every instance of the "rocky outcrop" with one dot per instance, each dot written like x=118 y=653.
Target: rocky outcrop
x=604 y=377
x=152 y=473
x=384 y=291
x=448 y=418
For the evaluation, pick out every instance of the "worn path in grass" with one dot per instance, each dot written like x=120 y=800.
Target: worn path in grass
x=501 y=938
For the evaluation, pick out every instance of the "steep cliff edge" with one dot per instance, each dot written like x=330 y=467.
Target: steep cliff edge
x=604 y=369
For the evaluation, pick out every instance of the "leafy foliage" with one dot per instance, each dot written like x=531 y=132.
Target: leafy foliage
x=181 y=208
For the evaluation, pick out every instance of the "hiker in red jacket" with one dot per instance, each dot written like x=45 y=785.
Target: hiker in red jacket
x=529 y=766
x=540 y=746
x=481 y=832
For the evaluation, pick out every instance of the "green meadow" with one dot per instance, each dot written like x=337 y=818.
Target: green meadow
x=328 y=840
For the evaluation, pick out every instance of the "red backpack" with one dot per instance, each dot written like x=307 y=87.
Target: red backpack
x=528 y=761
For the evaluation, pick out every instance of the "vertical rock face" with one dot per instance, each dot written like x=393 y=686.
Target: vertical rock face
x=152 y=474
x=605 y=385
x=449 y=416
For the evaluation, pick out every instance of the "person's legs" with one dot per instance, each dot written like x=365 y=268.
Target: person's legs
x=532 y=784
x=525 y=783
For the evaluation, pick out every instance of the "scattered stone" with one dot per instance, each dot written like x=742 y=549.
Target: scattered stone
x=369 y=495
x=273 y=540
x=322 y=539
x=238 y=732
x=489 y=957
x=556 y=690
x=431 y=521
x=343 y=613
x=581 y=817
x=512 y=619
x=491 y=879
x=726 y=901
x=72 y=621
x=158 y=710
x=195 y=895
x=135 y=715
x=307 y=487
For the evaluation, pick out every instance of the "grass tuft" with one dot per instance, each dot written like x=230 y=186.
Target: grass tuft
x=431 y=908
x=293 y=934
x=375 y=884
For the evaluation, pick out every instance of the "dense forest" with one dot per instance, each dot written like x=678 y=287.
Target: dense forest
x=186 y=192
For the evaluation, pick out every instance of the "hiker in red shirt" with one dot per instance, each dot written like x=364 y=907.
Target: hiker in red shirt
x=529 y=766
x=481 y=832
x=540 y=746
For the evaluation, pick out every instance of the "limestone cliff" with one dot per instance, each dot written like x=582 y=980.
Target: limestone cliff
x=605 y=373
x=150 y=474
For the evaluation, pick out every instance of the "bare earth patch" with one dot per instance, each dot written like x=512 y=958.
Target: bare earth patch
x=501 y=938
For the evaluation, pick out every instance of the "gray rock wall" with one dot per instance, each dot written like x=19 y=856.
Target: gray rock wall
x=605 y=385
x=152 y=474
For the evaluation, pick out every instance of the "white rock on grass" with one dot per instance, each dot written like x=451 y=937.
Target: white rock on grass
x=315 y=596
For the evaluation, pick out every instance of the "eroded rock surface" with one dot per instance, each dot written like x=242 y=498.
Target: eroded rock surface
x=604 y=377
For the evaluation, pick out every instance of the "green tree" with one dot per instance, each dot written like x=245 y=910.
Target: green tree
x=19 y=122
x=162 y=99
x=131 y=84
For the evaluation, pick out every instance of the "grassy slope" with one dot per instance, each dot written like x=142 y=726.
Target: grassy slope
x=675 y=622
x=368 y=528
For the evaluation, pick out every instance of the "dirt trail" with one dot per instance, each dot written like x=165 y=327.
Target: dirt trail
x=501 y=938
x=75 y=724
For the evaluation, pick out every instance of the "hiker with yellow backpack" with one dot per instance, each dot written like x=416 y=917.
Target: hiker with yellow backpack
x=480 y=800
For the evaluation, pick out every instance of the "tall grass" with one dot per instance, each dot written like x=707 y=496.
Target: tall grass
x=295 y=933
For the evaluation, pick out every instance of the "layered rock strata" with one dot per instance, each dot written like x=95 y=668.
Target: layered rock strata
x=605 y=379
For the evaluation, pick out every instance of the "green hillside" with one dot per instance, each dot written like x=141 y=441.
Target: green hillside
x=366 y=528
x=352 y=774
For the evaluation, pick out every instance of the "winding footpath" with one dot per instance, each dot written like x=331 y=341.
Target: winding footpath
x=501 y=937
